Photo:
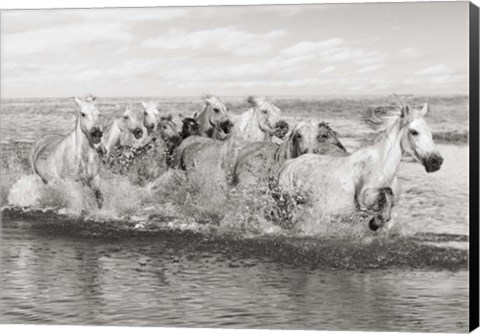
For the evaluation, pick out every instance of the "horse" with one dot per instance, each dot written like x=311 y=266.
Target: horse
x=215 y=119
x=73 y=156
x=148 y=162
x=124 y=128
x=260 y=122
x=151 y=116
x=190 y=127
x=364 y=181
x=259 y=161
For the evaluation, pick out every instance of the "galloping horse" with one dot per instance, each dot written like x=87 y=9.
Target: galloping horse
x=366 y=180
x=258 y=161
x=260 y=122
x=124 y=128
x=215 y=120
x=151 y=115
x=147 y=162
x=72 y=156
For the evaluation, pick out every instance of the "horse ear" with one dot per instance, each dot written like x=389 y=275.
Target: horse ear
x=78 y=101
x=252 y=101
x=405 y=111
x=169 y=117
x=144 y=105
x=424 y=110
x=181 y=117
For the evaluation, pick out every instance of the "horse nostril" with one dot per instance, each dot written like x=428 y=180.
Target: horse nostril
x=436 y=161
x=373 y=225
x=226 y=126
x=138 y=133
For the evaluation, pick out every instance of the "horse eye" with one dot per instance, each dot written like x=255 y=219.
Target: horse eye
x=216 y=109
x=264 y=111
x=83 y=114
x=298 y=136
x=413 y=132
x=125 y=117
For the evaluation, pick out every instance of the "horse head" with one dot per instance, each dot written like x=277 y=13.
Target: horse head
x=417 y=139
x=89 y=119
x=268 y=116
x=327 y=139
x=151 y=115
x=310 y=137
x=214 y=116
x=132 y=120
x=190 y=127
x=168 y=131
x=408 y=125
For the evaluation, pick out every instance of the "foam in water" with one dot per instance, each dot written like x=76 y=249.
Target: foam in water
x=27 y=191
x=198 y=201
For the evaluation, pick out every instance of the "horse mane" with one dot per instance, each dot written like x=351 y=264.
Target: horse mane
x=166 y=118
x=90 y=98
x=382 y=117
x=325 y=125
x=255 y=101
x=117 y=114
x=285 y=151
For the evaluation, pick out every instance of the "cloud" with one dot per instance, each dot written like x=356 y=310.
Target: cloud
x=333 y=50
x=446 y=79
x=63 y=38
x=371 y=68
x=327 y=69
x=440 y=69
x=229 y=39
x=308 y=47
x=409 y=53
x=130 y=14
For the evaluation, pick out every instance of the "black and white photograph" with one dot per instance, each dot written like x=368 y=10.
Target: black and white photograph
x=301 y=167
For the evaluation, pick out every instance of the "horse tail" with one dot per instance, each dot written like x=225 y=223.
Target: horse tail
x=33 y=157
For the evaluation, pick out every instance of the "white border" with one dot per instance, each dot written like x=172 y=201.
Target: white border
x=32 y=4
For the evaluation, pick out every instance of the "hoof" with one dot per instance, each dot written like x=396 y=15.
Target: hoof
x=373 y=225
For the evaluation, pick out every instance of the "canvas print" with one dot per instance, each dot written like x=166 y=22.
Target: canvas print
x=275 y=167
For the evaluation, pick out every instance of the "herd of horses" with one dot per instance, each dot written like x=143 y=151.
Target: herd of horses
x=303 y=162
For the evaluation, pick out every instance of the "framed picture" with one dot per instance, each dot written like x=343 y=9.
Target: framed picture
x=302 y=167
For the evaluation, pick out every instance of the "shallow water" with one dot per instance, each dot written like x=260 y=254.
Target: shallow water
x=176 y=280
x=202 y=258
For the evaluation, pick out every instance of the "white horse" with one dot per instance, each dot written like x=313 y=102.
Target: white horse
x=260 y=123
x=258 y=161
x=124 y=128
x=150 y=161
x=366 y=180
x=215 y=120
x=72 y=156
x=151 y=116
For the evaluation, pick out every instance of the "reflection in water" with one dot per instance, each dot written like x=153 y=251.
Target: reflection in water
x=65 y=280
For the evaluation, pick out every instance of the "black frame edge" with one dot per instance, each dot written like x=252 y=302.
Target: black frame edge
x=474 y=168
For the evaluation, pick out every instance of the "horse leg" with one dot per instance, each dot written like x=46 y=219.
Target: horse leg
x=385 y=204
x=95 y=185
x=381 y=201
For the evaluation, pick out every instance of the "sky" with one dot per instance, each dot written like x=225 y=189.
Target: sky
x=332 y=49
